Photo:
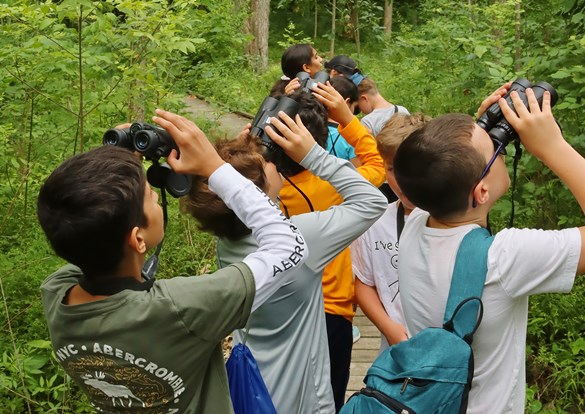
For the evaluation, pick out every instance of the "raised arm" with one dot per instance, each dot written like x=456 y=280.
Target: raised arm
x=542 y=137
x=334 y=229
x=372 y=165
x=280 y=246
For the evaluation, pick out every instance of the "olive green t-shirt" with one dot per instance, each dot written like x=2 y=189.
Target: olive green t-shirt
x=155 y=351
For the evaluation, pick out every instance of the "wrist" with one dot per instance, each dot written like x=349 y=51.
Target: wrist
x=345 y=119
x=211 y=167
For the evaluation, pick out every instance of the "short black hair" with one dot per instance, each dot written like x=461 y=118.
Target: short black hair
x=346 y=88
x=314 y=117
x=437 y=166
x=89 y=204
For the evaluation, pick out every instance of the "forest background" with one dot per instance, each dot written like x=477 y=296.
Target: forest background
x=71 y=69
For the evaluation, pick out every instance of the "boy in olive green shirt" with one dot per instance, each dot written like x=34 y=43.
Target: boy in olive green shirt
x=144 y=346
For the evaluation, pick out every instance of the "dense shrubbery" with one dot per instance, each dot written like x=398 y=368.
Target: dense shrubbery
x=137 y=55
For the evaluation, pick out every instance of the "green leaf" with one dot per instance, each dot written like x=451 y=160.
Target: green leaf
x=39 y=343
x=560 y=74
x=578 y=346
x=494 y=72
x=577 y=18
x=480 y=50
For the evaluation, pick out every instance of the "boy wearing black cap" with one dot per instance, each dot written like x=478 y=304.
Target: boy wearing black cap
x=343 y=65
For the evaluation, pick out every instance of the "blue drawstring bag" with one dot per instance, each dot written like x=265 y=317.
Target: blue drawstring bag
x=247 y=389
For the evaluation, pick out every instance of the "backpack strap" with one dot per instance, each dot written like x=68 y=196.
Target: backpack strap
x=464 y=308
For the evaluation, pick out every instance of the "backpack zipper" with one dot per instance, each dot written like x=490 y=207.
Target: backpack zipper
x=387 y=401
x=415 y=382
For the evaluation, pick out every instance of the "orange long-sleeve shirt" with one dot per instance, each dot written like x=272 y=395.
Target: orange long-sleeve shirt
x=338 y=291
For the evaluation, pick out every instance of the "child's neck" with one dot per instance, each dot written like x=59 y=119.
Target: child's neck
x=130 y=267
x=464 y=220
x=380 y=103
x=407 y=210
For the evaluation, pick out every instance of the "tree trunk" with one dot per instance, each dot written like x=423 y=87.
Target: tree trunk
x=80 y=119
x=388 y=10
x=257 y=25
x=315 y=22
x=355 y=21
x=518 y=51
x=333 y=17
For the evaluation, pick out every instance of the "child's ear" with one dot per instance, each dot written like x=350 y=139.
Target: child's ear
x=136 y=240
x=481 y=193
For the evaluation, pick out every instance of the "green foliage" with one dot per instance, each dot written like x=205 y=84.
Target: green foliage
x=71 y=69
x=291 y=36
x=556 y=351
x=32 y=381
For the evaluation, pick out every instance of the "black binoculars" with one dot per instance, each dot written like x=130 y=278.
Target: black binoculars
x=153 y=142
x=269 y=108
x=493 y=120
x=308 y=83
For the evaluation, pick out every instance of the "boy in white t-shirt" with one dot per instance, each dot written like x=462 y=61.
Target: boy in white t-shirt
x=453 y=170
x=374 y=255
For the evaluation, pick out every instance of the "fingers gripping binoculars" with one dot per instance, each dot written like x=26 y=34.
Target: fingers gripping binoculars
x=153 y=142
x=269 y=108
x=308 y=83
x=493 y=120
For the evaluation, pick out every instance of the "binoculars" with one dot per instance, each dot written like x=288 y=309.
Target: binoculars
x=493 y=120
x=153 y=142
x=269 y=108
x=308 y=83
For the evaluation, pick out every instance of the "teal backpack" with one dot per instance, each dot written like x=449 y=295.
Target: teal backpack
x=431 y=372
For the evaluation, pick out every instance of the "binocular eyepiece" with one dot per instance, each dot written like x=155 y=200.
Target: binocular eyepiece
x=308 y=83
x=153 y=142
x=493 y=120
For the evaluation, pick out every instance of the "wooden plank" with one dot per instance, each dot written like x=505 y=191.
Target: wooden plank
x=364 y=352
x=369 y=331
x=355 y=383
x=359 y=369
x=364 y=355
x=367 y=343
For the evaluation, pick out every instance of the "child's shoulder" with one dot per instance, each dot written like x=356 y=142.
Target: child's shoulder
x=386 y=224
x=65 y=276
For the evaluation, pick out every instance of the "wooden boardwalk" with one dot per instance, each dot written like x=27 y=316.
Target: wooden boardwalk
x=364 y=352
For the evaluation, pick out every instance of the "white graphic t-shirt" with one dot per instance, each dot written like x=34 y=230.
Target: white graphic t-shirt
x=374 y=258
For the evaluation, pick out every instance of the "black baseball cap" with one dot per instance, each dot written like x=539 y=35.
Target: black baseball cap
x=343 y=64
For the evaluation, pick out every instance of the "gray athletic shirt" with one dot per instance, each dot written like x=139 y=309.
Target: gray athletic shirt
x=287 y=334
x=376 y=119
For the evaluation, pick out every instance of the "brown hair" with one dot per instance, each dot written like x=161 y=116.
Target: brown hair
x=211 y=213
x=437 y=166
x=368 y=86
x=396 y=130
